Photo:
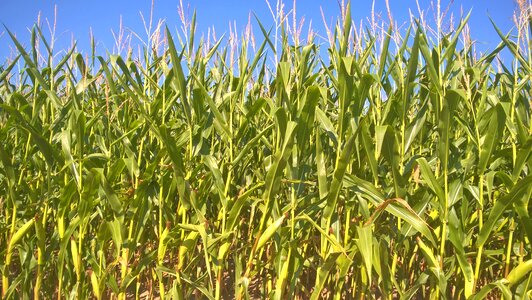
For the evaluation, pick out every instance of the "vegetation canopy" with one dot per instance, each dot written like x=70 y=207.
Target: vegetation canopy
x=395 y=164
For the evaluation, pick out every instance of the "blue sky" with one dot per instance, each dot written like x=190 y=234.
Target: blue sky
x=75 y=18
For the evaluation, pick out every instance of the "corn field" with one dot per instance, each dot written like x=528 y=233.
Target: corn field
x=386 y=164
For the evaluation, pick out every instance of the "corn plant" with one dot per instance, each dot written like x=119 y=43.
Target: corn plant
x=393 y=164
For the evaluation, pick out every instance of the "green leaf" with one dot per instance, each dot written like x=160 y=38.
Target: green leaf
x=365 y=246
x=338 y=175
x=492 y=135
x=272 y=181
x=430 y=180
x=390 y=152
x=268 y=233
x=521 y=189
x=368 y=145
x=396 y=207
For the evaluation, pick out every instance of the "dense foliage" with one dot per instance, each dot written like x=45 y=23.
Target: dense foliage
x=396 y=165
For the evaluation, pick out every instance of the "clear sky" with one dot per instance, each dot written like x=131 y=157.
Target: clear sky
x=75 y=18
